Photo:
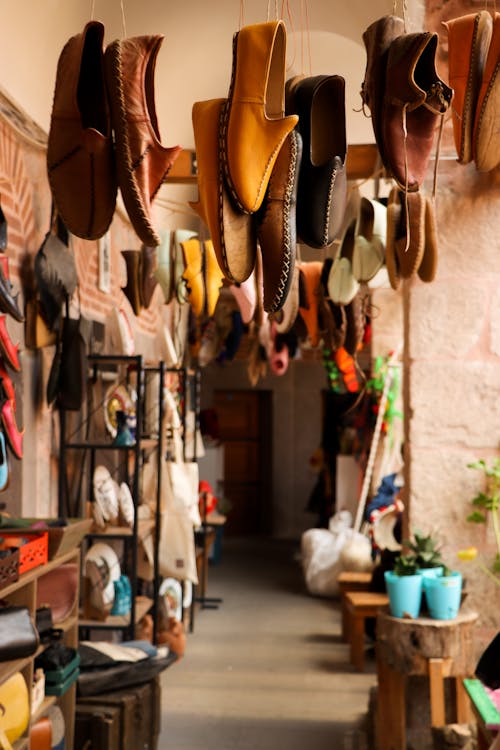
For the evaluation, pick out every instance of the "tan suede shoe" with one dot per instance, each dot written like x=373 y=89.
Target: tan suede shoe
x=468 y=41
x=309 y=314
x=255 y=126
x=193 y=274
x=80 y=159
x=486 y=135
x=213 y=278
x=232 y=232
x=276 y=224
x=141 y=160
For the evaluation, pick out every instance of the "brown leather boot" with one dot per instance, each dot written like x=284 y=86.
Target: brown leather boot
x=148 y=279
x=132 y=290
x=468 y=41
x=80 y=159
x=377 y=39
x=142 y=162
x=276 y=224
x=415 y=99
x=486 y=136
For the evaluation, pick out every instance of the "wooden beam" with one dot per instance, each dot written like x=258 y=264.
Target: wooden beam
x=362 y=163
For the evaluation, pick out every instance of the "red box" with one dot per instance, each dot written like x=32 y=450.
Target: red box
x=33 y=547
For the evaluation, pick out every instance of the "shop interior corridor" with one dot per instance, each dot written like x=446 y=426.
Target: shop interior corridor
x=268 y=669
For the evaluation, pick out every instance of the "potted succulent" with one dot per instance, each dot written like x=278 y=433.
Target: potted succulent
x=427 y=554
x=404 y=587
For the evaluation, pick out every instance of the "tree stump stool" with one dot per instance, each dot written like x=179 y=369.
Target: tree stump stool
x=435 y=648
x=350 y=580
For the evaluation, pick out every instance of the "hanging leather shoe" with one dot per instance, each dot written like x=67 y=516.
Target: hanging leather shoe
x=486 y=135
x=276 y=222
x=415 y=99
x=7 y=385
x=377 y=39
x=80 y=157
x=342 y=286
x=193 y=274
x=148 y=279
x=8 y=302
x=254 y=125
x=319 y=102
x=213 y=278
x=8 y=350
x=142 y=162
x=312 y=281
x=164 y=272
x=232 y=232
x=12 y=432
x=132 y=290
x=468 y=41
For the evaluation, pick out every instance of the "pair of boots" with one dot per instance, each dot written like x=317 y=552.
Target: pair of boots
x=141 y=281
x=98 y=94
x=405 y=96
x=473 y=61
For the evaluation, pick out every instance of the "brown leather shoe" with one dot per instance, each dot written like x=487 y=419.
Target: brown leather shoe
x=132 y=290
x=486 y=135
x=276 y=224
x=415 y=99
x=232 y=232
x=142 y=162
x=255 y=126
x=80 y=159
x=468 y=41
x=377 y=39
x=148 y=278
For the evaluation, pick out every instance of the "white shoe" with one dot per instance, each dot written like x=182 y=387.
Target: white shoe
x=105 y=494
x=126 y=504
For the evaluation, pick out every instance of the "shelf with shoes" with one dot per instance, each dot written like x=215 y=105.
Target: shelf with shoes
x=26 y=592
x=112 y=544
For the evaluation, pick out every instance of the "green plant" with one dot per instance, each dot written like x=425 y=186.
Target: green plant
x=405 y=565
x=425 y=550
x=486 y=505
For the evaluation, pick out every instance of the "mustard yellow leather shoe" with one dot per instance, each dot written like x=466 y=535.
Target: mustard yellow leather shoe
x=255 y=127
x=213 y=278
x=193 y=275
x=232 y=232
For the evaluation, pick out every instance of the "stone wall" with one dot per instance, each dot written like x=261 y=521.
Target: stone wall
x=452 y=359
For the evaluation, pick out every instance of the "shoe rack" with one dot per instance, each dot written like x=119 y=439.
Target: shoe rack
x=128 y=462
x=23 y=593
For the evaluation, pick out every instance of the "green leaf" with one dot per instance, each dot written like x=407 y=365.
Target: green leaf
x=476 y=517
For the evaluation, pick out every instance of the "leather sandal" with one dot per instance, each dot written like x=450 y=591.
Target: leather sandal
x=12 y=432
x=8 y=301
x=255 y=126
x=142 y=162
x=132 y=290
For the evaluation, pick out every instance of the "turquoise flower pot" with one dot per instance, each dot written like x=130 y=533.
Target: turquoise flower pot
x=431 y=572
x=405 y=594
x=443 y=595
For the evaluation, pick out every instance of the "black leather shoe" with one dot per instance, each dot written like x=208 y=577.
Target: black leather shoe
x=320 y=103
x=8 y=302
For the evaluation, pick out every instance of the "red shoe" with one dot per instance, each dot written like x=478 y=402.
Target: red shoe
x=4 y=261
x=7 y=384
x=7 y=348
x=12 y=432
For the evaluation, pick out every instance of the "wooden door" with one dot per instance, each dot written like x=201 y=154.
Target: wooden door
x=245 y=430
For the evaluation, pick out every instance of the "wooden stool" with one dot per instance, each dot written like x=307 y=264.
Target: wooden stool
x=435 y=648
x=350 y=580
x=360 y=605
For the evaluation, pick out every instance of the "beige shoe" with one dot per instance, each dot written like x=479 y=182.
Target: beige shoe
x=486 y=136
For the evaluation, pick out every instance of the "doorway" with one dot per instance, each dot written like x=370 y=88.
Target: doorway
x=245 y=426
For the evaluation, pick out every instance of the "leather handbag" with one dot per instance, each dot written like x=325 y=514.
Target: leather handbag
x=18 y=635
x=58 y=589
x=56 y=276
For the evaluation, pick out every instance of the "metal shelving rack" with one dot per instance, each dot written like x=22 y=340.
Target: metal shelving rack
x=143 y=443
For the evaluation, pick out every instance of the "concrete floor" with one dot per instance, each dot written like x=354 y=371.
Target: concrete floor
x=267 y=670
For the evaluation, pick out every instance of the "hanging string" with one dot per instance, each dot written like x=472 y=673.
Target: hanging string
x=92 y=10
x=268 y=18
x=292 y=30
x=242 y=13
x=124 y=27
x=308 y=36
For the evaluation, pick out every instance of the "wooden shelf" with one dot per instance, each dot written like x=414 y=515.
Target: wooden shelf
x=35 y=573
x=47 y=702
x=362 y=160
x=144 y=527
x=142 y=606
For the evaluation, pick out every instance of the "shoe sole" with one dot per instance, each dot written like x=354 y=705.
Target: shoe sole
x=124 y=165
x=288 y=248
x=487 y=142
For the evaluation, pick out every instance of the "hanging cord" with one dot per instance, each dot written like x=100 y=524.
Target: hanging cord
x=242 y=14
x=405 y=11
x=92 y=10
x=292 y=30
x=124 y=27
x=308 y=35
x=407 y=206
